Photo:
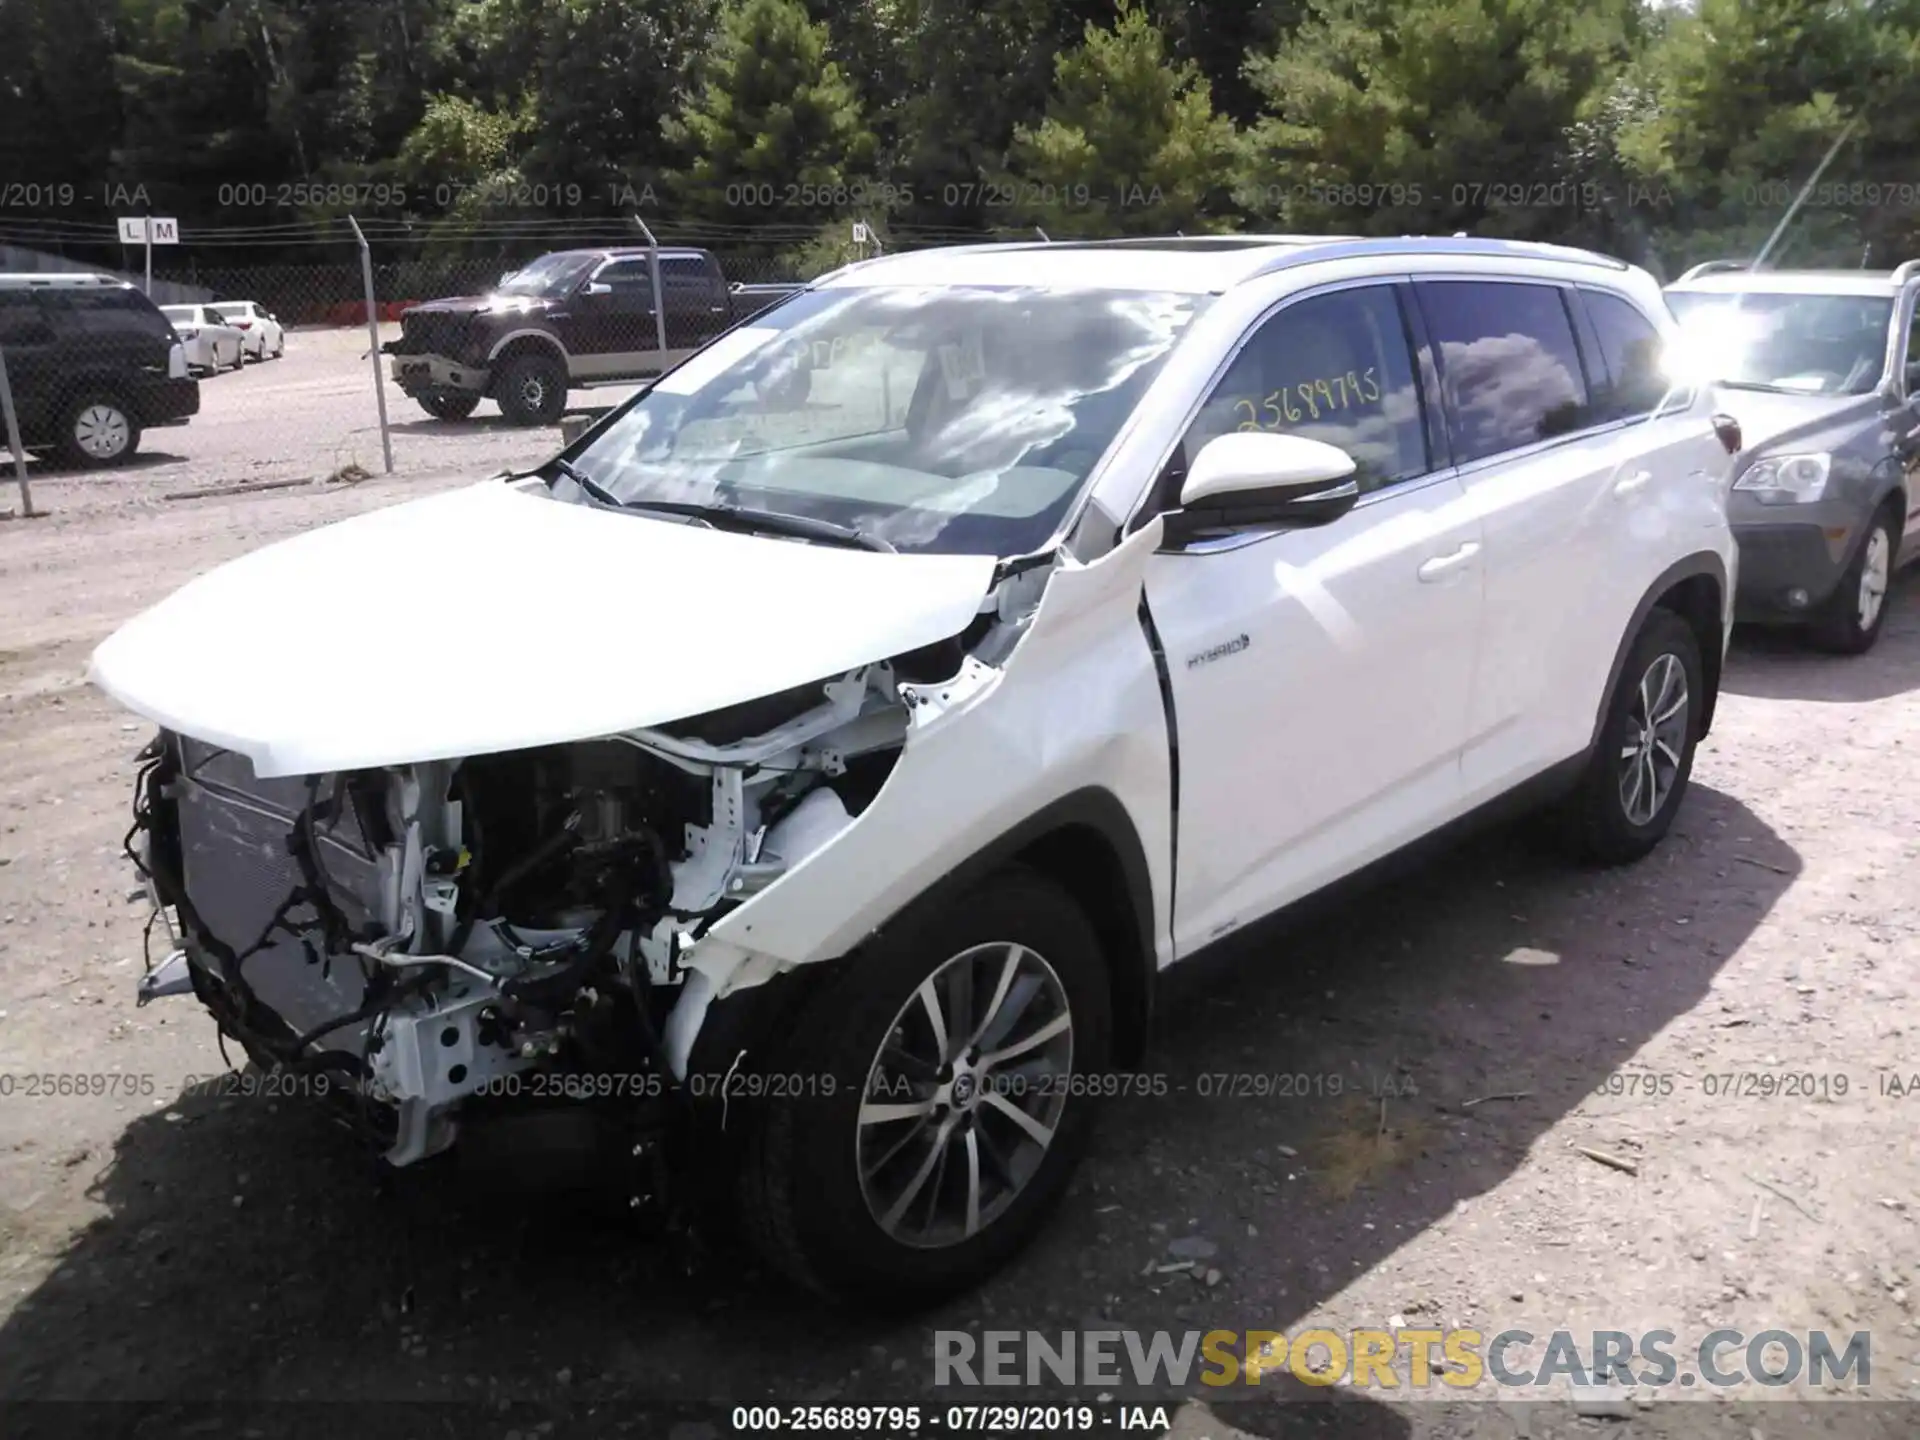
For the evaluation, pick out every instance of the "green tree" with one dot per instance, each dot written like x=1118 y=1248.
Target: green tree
x=1389 y=117
x=1747 y=97
x=1130 y=143
x=775 y=131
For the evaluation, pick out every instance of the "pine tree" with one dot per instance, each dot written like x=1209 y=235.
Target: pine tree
x=776 y=132
x=1130 y=143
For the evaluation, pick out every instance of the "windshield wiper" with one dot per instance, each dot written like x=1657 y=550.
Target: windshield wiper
x=737 y=517
x=587 y=483
x=741 y=517
x=1761 y=386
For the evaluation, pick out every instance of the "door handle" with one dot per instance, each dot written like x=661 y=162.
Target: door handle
x=1441 y=566
x=1633 y=484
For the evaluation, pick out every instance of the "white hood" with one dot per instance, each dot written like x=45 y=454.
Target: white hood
x=493 y=618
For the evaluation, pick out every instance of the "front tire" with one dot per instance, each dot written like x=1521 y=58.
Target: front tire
x=951 y=1123
x=1857 y=610
x=97 y=430
x=1638 y=772
x=448 y=404
x=532 y=390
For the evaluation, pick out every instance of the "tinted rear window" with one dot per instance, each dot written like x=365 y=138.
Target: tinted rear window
x=111 y=311
x=1508 y=357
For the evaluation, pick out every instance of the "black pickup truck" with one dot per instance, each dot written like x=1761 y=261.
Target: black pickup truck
x=569 y=319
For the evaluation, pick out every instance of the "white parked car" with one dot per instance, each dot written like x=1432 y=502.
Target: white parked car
x=266 y=338
x=840 y=738
x=210 y=342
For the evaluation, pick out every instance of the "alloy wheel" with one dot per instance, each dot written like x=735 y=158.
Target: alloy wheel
x=1875 y=568
x=963 y=1098
x=1656 y=739
x=102 y=431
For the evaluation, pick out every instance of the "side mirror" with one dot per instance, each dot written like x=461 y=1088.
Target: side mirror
x=1728 y=430
x=1256 y=478
x=596 y=287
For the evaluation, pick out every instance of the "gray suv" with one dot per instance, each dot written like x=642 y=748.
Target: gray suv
x=1821 y=368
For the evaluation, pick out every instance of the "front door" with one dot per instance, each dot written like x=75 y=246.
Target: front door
x=1320 y=677
x=614 y=334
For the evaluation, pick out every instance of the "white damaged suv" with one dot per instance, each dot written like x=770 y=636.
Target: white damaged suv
x=811 y=770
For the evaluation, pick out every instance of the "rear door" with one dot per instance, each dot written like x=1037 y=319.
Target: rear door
x=1557 y=480
x=697 y=307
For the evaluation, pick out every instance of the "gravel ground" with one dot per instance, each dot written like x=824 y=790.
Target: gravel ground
x=309 y=414
x=1491 y=1008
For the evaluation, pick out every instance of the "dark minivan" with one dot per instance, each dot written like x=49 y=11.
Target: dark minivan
x=91 y=363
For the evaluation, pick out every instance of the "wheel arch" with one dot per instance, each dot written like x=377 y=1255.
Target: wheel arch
x=1695 y=589
x=512 y=346
x=1085 y=842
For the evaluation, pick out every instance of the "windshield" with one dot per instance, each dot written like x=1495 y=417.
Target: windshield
x=180 y=312
x=232 y=312
x=951 y=420
x=1805 y=344
x=549 y=276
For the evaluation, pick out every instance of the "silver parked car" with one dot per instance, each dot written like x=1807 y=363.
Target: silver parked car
x=1822 y=370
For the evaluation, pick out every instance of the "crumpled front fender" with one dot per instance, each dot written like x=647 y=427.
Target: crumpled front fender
x=1077 y=705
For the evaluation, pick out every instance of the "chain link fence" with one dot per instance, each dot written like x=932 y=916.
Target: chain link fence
x=264 y=360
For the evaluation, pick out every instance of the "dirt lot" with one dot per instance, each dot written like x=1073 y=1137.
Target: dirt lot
x=1489 y=1007
x=309 y=414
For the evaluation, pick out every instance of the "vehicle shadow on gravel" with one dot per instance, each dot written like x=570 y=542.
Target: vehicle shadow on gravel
x=47 y=467
x=245 y=1253
x=1778 y=664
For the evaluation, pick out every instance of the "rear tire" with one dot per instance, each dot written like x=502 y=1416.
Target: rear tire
x=1638 y=772
x=97 y=430
x=1856 y=612
x=448 y=404
x=827 y=1184
x=532 y=390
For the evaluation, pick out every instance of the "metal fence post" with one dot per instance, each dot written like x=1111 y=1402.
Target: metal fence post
x=13 y=437
x=373 y=340
x=659 y=296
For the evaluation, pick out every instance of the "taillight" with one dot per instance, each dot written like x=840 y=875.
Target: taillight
x=244 y=324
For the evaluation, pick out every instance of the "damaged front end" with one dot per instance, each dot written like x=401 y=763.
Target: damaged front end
x=514 y=925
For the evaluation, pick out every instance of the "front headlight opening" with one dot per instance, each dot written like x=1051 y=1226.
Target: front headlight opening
x=1788 y=479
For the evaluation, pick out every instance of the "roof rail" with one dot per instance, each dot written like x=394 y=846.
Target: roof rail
x=1907 y=270
x=1344 y=248
x=1710 y=267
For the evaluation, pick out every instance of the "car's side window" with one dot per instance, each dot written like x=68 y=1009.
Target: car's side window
x=114 y=311
x=1636 y=378
x=688 y=276
x=1336 y=367
x=1508 y=361
x=628 y=277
